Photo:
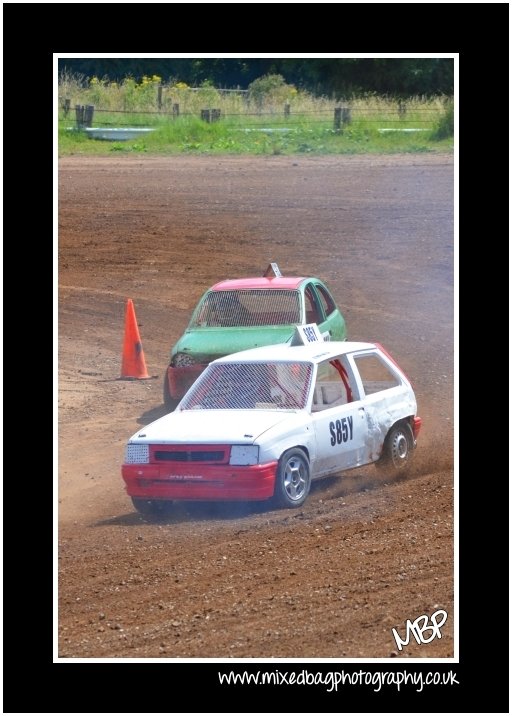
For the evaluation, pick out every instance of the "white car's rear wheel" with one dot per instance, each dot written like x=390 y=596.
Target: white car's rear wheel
x=293 y=478
x=398 y=448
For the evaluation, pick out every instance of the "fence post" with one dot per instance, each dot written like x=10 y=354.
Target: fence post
x=337 y=119
x=67 y=107
x=79 y=113
x=88 y=115
x=205 y=115
x=175 y=110
x=286 y=110
x=346 y=115
x=402 y=109
x=159 y=97
x=215 y=115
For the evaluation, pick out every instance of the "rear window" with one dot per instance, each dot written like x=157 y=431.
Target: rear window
x=248 y=308
x=375 y=374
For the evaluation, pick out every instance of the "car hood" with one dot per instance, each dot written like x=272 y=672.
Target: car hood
x=206 y=344
x=211 y=426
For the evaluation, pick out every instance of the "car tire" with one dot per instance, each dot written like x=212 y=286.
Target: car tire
x=152 y=508
x=293 y=479
x=398 y=449
x=170 y=403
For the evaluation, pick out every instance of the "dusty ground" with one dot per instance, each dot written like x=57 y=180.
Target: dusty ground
x=363 y=555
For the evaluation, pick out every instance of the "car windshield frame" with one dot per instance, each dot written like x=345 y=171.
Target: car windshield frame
x=248 y=308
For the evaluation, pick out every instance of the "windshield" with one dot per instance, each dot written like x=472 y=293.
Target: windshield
x=251 y=386
x=256 y=307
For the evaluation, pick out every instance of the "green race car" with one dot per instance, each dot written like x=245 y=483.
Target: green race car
x=239 y=314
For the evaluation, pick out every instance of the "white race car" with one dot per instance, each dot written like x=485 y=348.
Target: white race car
x=263 y=423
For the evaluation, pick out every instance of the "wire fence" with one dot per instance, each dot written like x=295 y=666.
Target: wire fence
x=154 y=104
x=358 y=112
x=338 y=116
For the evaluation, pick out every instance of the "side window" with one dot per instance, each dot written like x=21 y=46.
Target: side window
x=333 y=385
x=375 y=374
x=313 y=314
x=205 y=315
x=326 y=300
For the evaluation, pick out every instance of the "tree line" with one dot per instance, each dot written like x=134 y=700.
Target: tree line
x=339 y=77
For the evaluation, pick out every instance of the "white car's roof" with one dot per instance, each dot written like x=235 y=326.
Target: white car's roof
x=314 y=352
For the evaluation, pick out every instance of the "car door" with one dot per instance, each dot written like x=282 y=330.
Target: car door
x=338 y=418
x=386 y=396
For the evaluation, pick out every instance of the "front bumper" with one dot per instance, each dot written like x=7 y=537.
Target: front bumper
x=180 y=379
x=200 y=482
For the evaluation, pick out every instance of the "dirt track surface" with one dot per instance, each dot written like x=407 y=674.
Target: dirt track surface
x=363 y=554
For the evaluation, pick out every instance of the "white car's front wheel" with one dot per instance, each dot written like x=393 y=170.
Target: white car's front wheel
x=293 y=478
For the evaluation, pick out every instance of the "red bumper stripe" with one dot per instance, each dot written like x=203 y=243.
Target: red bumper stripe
x=200 y=482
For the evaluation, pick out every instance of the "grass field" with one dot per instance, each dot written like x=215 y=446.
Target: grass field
x=281 y=121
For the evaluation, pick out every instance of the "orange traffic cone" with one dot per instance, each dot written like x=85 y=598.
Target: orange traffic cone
x=134 y=364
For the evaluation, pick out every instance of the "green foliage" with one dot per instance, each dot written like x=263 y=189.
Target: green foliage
x=337 y=77
x=306 y=128
x=269 y=94
x=193 y=136
x=270 y=89
x=444 y=125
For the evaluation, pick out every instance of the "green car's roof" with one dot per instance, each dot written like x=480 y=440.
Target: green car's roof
x=274 y=282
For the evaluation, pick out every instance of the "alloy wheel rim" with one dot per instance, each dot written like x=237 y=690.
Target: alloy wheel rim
x=295 y=479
